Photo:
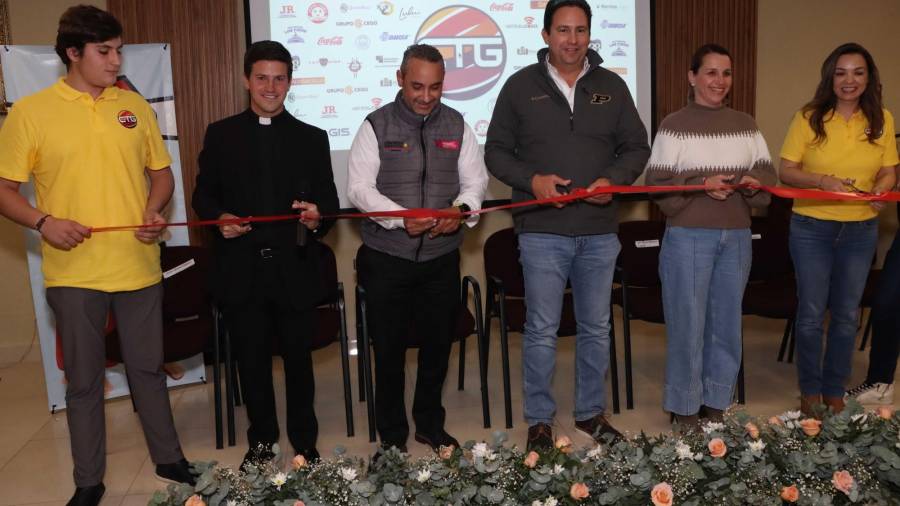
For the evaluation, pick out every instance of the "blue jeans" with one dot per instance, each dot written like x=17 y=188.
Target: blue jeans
x=832 y=261
x=548 y=261
x=703 y=272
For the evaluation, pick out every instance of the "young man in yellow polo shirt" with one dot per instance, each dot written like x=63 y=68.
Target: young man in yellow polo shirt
x=97 y=158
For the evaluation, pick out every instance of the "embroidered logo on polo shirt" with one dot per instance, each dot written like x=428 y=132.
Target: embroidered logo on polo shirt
x=127 y=119
x=599 y=98
x=447 y=144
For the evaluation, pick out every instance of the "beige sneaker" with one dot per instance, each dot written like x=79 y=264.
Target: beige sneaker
x=881 y=394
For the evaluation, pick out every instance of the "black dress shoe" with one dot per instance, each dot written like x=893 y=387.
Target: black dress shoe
x=87 y=496
x=176 y=472
x=437 y=440
x=260 y=454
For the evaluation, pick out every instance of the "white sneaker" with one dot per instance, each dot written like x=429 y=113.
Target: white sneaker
x=872 y=393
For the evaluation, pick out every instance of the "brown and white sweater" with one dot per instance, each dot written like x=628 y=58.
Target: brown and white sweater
x=697 y=142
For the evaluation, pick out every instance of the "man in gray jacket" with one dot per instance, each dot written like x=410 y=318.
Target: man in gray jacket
x=414 y=152
x=565 y=122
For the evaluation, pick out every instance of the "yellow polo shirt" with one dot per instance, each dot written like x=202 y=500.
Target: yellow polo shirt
x=845 y=153
x=87 y=158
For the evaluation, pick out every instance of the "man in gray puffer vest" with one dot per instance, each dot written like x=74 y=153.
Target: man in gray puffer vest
x=414 y=153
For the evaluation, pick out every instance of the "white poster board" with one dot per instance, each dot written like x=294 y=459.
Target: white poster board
x=147 y=70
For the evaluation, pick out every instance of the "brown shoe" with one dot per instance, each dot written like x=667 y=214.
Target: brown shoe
x=540 y=437
x=835 y=404
x=596 y=427
x=687 y=423
x=809 y=403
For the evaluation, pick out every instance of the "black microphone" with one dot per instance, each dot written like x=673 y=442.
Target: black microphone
x=302 y=231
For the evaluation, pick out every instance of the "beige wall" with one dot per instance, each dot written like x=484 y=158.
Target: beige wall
x=795 y=37
x=31 y=22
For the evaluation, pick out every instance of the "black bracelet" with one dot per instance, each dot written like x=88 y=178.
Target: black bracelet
x=40 y=222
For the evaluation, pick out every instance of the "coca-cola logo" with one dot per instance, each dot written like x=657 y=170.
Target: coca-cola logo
x=337 y=40
x=504 y=7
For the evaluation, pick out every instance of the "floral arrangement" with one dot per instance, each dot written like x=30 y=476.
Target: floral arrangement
x=849 y=458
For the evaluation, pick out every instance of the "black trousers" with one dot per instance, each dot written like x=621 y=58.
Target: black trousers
x=254 y=327
x=886 y=319
x=401 y=292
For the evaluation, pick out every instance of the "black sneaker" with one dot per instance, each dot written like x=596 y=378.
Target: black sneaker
x=540 y=437
x=599 y=428
x=436 y=441
x=176 y=472
x=87 y=496
x=260 y=454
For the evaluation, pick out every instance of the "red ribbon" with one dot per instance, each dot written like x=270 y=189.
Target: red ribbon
x=576 y=194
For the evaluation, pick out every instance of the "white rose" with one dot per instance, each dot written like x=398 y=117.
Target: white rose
x=348 y=473
x=423 y=476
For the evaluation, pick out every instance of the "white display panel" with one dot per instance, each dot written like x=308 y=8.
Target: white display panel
x=346 y=54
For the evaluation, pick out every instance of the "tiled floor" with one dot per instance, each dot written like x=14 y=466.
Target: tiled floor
x=36 y=467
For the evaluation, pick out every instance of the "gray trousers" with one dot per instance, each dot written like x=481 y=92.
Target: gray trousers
x=80 y=320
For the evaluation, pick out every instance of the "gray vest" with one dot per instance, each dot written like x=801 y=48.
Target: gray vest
x=419 y=168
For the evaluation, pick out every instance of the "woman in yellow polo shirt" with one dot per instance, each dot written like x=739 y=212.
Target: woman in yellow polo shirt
x=842 y=140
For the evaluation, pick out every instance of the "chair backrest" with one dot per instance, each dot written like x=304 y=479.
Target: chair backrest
x=501 y=259
x=186 y=293
x=771 y=255
x=639 y=258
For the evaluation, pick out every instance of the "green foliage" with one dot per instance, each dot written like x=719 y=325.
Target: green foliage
x=752 y=470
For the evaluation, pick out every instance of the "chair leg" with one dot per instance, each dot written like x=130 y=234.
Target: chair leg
x=866 y=332
x=461 y=382
x=784 y=340
x=482 y=357
x=238 y=400
x=792 y=342
x=626 y=334
x=741 y=394
x=366 y=354
x=613 y=363
x=504 y=355
x=345 y=366
x=229 y=389
x=359 y=356
x=217 y=378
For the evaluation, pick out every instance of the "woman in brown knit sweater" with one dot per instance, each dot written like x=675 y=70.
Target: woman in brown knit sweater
x=705 y=255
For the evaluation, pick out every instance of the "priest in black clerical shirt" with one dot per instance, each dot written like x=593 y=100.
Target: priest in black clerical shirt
x=263 y=162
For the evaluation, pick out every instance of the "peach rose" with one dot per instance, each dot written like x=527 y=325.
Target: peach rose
x=446 y=452
x=774 y=420
x=717 y=448
x=531 y=459
x=752 y=429
x=579 y=491
x=811 y=427
x=790 y=494
x=194 y=500
x=661 y=495
x=885 y=412
x=843 y=481
x=563 y=442
x=298 y=462
x=299 y=503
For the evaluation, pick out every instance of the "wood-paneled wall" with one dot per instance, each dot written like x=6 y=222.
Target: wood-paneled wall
x=681 y=26
x=207 y=43
x=684 y=25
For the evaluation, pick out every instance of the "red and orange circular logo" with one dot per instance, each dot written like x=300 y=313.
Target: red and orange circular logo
x=127 y=119
x=473 y=47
